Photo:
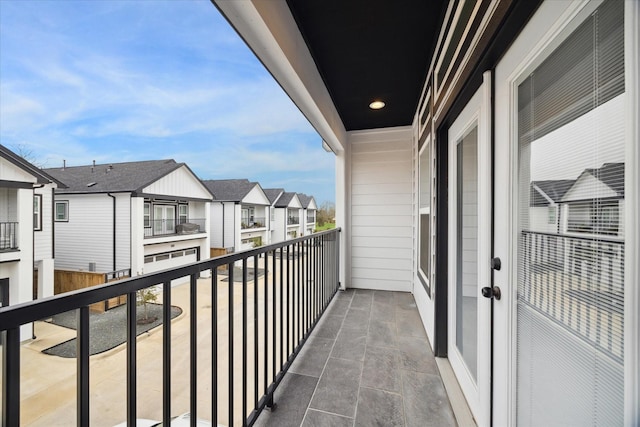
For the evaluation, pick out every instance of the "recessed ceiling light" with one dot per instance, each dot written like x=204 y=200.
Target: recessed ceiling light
x=376 y=105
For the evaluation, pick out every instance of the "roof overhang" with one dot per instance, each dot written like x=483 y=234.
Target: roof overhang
x=333 y=57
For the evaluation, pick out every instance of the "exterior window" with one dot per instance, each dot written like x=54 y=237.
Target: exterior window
x=37 y=212
x=148 y=259
x=147 y=215
x=552 y=214
x=594 y=217
x=424 y=258
x=62 y=211
x=183 y=214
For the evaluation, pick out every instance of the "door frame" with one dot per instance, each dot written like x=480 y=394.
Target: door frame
x=477 y=112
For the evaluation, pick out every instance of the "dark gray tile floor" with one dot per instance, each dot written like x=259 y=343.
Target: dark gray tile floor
x=366 y=363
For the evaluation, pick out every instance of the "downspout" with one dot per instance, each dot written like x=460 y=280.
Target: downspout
x=114 y=229
x=53 y=224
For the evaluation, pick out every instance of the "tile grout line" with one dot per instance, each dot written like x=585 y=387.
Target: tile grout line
x=364 y=356
x=327 y=361
x=397 y=355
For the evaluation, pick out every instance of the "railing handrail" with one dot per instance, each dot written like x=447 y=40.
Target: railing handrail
x=308 y=280
x=13 y=316
x=591 y=238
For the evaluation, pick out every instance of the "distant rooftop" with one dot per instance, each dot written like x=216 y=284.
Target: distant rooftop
x=231 y=190
x=112 y=177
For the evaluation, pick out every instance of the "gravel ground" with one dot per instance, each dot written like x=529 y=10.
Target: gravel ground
x=106 y=330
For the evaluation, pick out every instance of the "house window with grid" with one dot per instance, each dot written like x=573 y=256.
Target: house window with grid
x=37 y=212
x=183 y=214
x=147 y=215
x=62 y=211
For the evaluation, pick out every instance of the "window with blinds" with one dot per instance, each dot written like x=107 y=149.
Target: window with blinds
x=570 y=300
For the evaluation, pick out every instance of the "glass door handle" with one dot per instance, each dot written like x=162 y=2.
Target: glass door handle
x=489 y=292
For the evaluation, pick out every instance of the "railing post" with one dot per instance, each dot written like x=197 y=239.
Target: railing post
x=132 y=385
x=193 y=343
x=11 y=378
x=82 y=365
x=166 y=350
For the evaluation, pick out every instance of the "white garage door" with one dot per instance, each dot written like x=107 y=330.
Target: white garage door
x=164 y=260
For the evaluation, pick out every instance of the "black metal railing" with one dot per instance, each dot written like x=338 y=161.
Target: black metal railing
x=293 y=220
x=578 y=283
x=8 y=236
x=284 y=290
x=256 y=222
x=165 y=227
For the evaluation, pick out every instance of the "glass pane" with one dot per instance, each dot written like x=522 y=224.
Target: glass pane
x=425 y=178
x=570 y=294
x=425 y=239
x=467 y=248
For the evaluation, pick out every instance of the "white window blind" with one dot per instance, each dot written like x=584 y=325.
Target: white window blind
x=570 y=300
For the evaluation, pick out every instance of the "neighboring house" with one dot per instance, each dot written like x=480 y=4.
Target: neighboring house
x=544 y=211
x=309 y=207
x=26 y=231
x=273 y=194
x=286 y=222
x=239 y=214
x=146 y=216
x=602 y=214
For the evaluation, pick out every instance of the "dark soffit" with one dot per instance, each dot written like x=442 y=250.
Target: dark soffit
x=371 y=49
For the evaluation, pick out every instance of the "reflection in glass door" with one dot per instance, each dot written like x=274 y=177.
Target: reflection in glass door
x=571 y=237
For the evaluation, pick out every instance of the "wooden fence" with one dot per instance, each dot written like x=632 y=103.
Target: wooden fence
x=66 y=281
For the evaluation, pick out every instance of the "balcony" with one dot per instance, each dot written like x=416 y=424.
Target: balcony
x=250 y=223
x=311 y=219
x=293 y=220
x=8 y=236
x=268 y=329
x=577 y=281
x=167 y=227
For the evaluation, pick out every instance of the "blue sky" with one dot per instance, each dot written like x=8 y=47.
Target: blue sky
x=116 y=81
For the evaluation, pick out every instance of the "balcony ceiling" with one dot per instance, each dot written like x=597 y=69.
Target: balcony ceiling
x=368 y=50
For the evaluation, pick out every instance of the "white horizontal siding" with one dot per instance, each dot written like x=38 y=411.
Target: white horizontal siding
x=88 y=235
x=394 y=231
x=216 y=226
x=382 y=209
x=381 y=262
x=383 y=221
x=43 y=238
x=123 y=231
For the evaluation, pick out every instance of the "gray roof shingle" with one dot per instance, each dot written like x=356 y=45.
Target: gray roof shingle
x=305 y=200
x=231 y=190
x=554 y=189
x=284 y=200
x=113 y=177
x=273 y=193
